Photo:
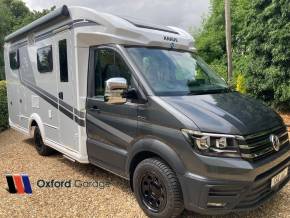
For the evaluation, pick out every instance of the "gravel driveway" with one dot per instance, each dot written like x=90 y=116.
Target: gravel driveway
x=112 y=200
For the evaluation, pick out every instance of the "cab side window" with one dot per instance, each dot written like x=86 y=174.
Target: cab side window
x=109 y=64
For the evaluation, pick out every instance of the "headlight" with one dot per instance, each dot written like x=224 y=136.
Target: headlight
x=213 y=144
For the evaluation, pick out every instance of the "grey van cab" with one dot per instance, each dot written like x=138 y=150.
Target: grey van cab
x=200 y=145
x=136 y=99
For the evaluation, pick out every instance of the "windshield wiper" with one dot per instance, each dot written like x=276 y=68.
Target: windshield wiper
x=209 y=91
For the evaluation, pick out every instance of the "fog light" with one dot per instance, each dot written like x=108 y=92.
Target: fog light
x=216 y=204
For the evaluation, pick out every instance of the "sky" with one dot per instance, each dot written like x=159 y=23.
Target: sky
x=185 y=14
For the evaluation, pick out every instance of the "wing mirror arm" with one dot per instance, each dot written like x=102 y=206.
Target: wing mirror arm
x=117 y=91
x=130 y=93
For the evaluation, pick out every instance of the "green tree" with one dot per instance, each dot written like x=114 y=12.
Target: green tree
x=264 y=39
x=210 y=42
x=261 y=36
x=5 y=24
x=3 y=106
x=12 y=13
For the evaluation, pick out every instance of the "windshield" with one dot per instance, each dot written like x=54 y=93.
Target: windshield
x=171 y=72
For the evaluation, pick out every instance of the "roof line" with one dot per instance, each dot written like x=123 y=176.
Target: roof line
x=150 y=26
x=61 y=12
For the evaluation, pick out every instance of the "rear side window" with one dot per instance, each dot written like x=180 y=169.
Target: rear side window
x=14 y=59
x=63 y=60
x=44 y=59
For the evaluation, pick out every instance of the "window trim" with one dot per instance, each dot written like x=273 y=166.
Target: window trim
x=91 y=77
x=37 y=62
x=18 y=59
x=162 y=48
x=116 y=53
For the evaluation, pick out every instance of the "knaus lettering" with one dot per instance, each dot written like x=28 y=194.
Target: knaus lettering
x=171 y=39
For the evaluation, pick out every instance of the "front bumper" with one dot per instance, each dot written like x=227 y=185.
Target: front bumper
x=221 y=196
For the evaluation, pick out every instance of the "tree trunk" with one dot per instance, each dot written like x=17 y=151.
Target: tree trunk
x=228 y=39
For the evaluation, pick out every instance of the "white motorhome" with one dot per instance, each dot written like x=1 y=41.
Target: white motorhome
x=136 y=100
x=48 y=86
x=46 y=65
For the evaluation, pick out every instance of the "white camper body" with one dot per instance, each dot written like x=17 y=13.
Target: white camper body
x=49 y=89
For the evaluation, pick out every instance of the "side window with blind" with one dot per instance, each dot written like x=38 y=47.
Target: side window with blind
x=44 y=59
x=63 y=68
x=14 y=60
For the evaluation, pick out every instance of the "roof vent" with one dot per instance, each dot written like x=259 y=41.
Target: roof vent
x=150 y=26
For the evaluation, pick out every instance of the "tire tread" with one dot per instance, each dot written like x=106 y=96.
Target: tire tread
x=177 y=204
x=45 y=150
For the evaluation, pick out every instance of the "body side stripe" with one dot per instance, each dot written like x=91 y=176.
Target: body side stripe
x=64 y=107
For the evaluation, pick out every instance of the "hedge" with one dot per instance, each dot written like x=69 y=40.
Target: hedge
x=3 y=106
x=2 y=74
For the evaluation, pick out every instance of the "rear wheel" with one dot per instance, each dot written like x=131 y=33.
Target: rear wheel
x=157 y=189
x=41 y=148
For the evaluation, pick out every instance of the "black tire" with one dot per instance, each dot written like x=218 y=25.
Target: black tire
x=41 y=148
x=157 y=189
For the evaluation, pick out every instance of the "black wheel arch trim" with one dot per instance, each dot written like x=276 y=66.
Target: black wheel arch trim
x=158 y=148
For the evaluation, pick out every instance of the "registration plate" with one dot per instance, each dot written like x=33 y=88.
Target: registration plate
x=279 y=177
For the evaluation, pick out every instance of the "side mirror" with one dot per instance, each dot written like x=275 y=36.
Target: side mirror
x=114 y=90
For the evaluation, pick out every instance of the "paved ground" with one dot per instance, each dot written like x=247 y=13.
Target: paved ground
x=116 y=200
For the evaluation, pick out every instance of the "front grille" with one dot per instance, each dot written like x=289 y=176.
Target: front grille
x=257 y=194
x=258 y=146
x=246 y=195
x=260 y=192
x=224 y=191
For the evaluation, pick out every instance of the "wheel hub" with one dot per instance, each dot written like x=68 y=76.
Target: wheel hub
x=153 y=192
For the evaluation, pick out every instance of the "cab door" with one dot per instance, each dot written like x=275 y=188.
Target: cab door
x=110 y=127
x=66 y=90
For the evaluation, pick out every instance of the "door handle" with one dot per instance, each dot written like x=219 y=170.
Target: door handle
x=94 y=108
x=60 y=95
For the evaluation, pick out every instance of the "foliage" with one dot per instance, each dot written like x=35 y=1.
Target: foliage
x=241 y=84
x=3 y=106
x=220 y=67
x=2 y=73
x=210 y=41
x=261 y=52
x=265 y=38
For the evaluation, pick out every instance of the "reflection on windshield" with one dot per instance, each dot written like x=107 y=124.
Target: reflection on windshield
x=170 y=72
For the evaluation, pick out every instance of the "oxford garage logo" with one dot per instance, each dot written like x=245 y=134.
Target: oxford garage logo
x=18 y=183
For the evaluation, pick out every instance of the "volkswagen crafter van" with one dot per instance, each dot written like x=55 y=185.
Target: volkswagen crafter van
x=137 y=100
